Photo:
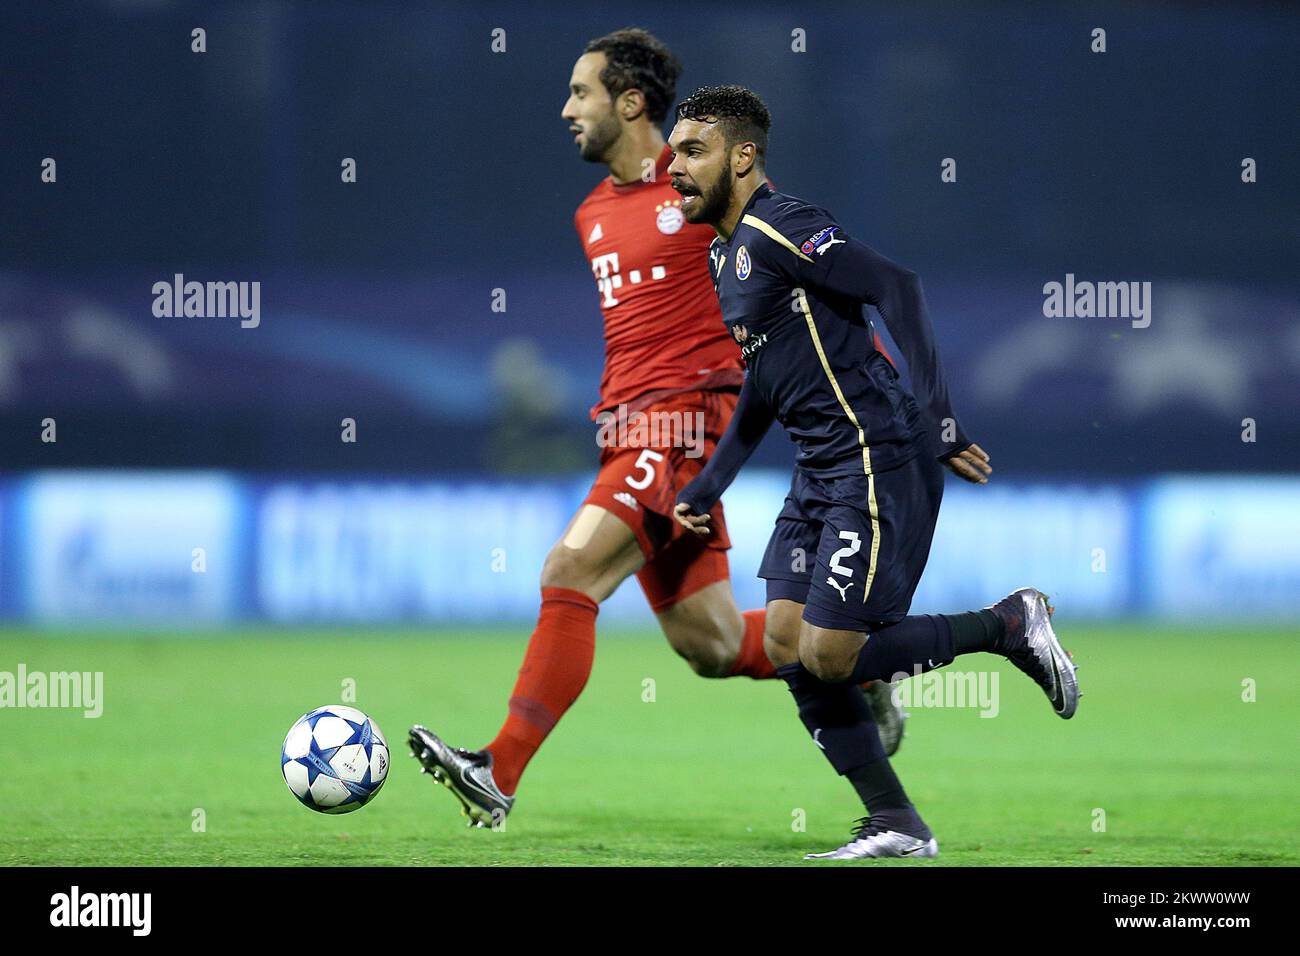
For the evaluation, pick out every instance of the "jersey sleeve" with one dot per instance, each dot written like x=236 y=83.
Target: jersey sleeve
x=819 y=254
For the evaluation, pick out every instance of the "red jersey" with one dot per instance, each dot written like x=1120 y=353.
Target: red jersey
x=663 y=329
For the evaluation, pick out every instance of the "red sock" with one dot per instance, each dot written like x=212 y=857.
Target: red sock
x=555 y=669
x=752 y=660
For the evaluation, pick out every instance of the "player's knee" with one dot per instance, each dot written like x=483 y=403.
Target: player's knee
x=781 y=647
x=781 y=627
x=823 y=658
x=567 y=567
x=708 y=660
x=824 y=666
x=703 y=645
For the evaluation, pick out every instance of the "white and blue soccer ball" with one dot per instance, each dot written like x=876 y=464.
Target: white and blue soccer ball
x=334 y=759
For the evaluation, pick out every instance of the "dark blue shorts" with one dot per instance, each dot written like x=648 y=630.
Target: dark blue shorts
x=852 y=549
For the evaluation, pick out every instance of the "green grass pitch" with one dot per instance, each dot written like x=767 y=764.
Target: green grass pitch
x=709 y=773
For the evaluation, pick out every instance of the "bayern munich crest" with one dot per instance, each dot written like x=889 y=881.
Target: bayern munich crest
x=669 y=217
x=742 y=263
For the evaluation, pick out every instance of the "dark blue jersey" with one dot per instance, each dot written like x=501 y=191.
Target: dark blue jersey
x=792 y=286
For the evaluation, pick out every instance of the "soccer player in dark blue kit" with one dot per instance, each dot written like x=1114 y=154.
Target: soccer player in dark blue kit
x=869 y=470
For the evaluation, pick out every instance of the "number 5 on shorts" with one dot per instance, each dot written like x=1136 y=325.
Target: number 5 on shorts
x=643 y=463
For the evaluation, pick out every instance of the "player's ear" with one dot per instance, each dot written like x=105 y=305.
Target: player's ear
x=743 y=158
x=631 y=104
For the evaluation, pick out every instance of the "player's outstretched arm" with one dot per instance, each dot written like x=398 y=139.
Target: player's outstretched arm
x=858 y=270
x=748 y=425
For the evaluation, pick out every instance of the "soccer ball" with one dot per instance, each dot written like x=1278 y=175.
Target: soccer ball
x=334 y=759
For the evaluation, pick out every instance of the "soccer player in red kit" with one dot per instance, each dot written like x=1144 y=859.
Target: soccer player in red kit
x=671 y=380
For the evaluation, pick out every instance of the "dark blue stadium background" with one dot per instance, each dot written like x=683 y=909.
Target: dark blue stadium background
x=376 y=296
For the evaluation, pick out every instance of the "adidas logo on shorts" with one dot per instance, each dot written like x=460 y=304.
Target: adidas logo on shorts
x=625 y=498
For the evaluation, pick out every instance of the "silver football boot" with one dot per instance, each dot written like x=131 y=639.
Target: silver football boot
x=871 y=842
x=889 y=716
x=1032 y=646
x=466 y=773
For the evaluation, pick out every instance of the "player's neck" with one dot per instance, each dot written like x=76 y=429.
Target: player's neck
x=635 y=146
x=739 y=200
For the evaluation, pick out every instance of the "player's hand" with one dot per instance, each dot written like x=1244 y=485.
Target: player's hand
x=972 y=464
x=697 y=524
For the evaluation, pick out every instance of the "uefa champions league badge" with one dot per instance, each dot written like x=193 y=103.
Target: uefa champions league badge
x=821 y=241
x=742 y=263
x=669 y=217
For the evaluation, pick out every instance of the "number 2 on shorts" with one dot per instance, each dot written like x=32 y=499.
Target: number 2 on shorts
x=855 y=545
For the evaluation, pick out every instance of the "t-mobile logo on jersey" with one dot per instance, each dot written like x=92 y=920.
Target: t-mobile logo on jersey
x=608 y=277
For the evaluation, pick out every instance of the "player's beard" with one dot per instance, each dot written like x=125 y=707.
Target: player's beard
x=713 y=202
x=598 y=141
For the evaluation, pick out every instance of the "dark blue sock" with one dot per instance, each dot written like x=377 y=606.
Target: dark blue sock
x=914 y=645
x=837 y=716
x=882 y=794
x=976 y=631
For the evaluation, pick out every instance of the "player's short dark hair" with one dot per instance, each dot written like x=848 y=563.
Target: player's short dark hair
x=740 y=113
x=637 y=60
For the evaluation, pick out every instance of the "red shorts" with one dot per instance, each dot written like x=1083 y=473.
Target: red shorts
x=643 y=465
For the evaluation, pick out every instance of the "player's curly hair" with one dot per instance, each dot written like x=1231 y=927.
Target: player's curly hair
x=637 y=60
x=741 y=114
